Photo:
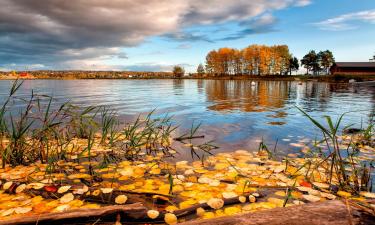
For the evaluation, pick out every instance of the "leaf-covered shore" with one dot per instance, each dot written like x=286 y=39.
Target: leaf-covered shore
x=61 y=161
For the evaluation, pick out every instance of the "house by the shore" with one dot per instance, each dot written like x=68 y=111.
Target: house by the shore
x=353 y=68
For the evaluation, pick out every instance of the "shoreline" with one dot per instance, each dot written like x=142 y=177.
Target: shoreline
x=317 y=78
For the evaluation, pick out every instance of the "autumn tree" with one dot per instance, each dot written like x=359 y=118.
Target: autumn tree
x=178 y=71
x=200 y=69
x=326 y=60
x=253 y=60
x=265 y=60
x=226 y=58
x=212 y=62
x=281 y=59
x=237 y=62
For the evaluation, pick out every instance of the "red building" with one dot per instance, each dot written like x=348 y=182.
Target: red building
x=353 y=68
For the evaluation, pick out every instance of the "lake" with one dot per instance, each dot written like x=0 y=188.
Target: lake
x=236 y=114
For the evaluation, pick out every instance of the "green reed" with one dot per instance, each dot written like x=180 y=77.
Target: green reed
x=350 y=174
x=40 y=131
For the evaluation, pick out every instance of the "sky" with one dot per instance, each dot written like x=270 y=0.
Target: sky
x=155 y=35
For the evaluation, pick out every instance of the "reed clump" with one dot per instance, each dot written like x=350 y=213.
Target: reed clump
x=42 y=131
x=338 y=156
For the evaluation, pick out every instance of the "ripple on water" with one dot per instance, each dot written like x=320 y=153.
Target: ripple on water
x=234 y=113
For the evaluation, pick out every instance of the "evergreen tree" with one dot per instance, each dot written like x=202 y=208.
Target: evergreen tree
x=326 y=60
x=311 y=62
x=293 y=64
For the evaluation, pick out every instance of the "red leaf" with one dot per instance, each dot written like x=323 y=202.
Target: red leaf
x=50 y=188
x=305 y=184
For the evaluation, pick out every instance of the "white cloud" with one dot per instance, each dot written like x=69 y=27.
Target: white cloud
x=50 y=32
x=303 y=3
x=347 y=21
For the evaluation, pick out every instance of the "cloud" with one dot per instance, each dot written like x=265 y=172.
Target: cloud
x=347 y=21
x=183 y=46
x=187 y=37
x=259 y=25
x=303 y=3
x=59 y=31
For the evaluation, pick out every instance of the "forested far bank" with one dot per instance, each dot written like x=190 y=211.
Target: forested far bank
x=264 y=60
x=253 y=60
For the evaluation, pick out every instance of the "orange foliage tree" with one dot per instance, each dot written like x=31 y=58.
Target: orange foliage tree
x=252 y=60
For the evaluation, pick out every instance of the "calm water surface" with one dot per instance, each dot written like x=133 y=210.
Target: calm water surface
x=236 y=114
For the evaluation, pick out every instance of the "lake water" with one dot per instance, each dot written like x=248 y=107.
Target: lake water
x=235 y=114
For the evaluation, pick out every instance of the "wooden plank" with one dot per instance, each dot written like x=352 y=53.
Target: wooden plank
x=322 y=213
x=126 y=212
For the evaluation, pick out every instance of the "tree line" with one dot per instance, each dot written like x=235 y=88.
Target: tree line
x=318 y=62
x=253 y=60
x=262 y=60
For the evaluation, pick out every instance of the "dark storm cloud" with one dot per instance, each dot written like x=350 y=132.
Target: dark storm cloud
x=69 y=33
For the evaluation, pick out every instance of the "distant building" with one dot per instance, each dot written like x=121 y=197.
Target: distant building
x=353 y=68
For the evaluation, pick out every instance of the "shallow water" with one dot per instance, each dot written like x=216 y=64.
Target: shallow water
x=235 y=114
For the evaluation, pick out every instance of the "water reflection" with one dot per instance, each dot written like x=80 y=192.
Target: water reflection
x=245 y=96
x=237 y=114
x=261 y=96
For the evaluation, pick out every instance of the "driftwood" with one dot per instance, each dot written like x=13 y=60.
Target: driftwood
x=148 y=199
x=322 y=213
x=192 y=209
x=108 y=213
x=130 y=213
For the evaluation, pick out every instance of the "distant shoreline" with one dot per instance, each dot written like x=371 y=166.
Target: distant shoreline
x=110 y=75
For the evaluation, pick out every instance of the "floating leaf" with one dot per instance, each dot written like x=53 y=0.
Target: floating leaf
x=35 y=186
x=200 y=211
x=106 y=190
x=63 y=189
x=171 y=208
x=305 y=184
x=227 y=195
x=62 y=208
x=321 y=185
x=231 y=210
x=121 y=199
x=170 y=218
x=22 y=210
x=95 y=193
x=153 y=214
x=252 y=198
x=367 y=194
x=82 y=190
x=7 y=212
x=215 y=203
x=7 y=185
x=20 y=188
x=52 y=189
x=311 y=198
x=242 y=199
x=67 y=198
x=344 y=194
x=328 y=195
